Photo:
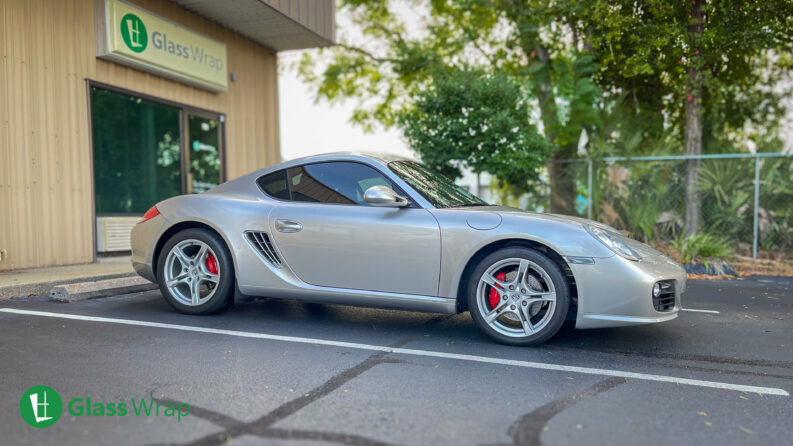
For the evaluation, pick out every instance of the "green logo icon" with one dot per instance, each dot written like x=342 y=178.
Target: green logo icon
x=133 y=31
x=40 y=406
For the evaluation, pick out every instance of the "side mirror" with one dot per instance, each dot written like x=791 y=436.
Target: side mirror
x=384 y=196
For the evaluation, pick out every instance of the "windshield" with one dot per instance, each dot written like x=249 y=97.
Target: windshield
x=436 y=188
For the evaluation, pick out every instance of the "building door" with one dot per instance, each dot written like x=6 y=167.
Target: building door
x=203 y=154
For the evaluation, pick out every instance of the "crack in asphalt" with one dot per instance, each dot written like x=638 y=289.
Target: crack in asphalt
x=262 y=426
x=527 y=429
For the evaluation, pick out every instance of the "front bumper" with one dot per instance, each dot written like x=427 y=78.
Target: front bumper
x=615 y=291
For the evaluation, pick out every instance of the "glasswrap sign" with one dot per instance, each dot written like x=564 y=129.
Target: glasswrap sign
x=133 y=36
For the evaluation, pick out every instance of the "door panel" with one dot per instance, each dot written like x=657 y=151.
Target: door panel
x=394 y=250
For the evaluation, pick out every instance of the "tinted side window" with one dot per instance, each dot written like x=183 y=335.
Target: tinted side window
x=274 y=185
x=335 y=182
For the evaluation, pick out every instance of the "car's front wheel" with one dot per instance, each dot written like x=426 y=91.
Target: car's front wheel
x=195 y=272
x=518 y=296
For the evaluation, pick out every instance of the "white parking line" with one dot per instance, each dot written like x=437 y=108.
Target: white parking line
x=701 y=311
x=414 y=352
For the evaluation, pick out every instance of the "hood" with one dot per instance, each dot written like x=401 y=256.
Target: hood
x=506 y=210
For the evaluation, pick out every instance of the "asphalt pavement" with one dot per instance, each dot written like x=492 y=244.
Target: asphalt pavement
x=284 y=372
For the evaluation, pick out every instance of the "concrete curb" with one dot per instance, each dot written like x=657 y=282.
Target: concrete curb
x=39 y=288
x=76 y=292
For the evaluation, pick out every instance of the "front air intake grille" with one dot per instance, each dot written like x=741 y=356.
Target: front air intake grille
x=666 y=300
x=260 y=242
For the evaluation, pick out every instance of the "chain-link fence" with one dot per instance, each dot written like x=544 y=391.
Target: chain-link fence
x=744 y=199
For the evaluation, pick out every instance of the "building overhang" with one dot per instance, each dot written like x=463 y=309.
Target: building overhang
x=277 y=24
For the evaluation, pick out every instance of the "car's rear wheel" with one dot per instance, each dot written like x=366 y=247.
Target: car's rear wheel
x=195 y=272
x=518 y=296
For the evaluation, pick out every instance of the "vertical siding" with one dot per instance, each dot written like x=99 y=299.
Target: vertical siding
x=46 y=185
x=5 y=151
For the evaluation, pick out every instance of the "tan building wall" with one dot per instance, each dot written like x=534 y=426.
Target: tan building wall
x=46 y=180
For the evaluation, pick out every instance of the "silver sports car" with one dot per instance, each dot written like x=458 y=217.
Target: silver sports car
x=388 y=232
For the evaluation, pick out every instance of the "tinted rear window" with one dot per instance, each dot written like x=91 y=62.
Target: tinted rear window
x=274 y=185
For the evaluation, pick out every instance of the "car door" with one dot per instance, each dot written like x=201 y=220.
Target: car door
x=329 y=236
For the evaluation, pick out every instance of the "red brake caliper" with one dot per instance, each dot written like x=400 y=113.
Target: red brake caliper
x=494 y=297
x=212 y=264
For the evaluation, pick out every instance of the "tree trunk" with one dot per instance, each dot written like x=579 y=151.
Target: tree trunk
x=693 y=128
x=562 y=182
x=563 y=191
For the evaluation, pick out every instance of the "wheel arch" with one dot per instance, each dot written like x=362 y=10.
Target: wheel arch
x=181 y=226
x=462 y=286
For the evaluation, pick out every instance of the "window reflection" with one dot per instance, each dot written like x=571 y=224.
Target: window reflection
x=334 y=182
x=440 y=191
x=136 y=152
x=204 y=153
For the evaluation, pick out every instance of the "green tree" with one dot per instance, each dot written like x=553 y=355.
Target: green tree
x=473 y=119
x=704 y=65
x=692 y=71
x=521 y=41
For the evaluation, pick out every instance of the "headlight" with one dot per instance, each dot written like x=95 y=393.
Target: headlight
x=614 y=242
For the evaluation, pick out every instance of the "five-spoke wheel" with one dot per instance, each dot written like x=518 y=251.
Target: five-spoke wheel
x=518 y=296
x=191 y=272
x=195 y=272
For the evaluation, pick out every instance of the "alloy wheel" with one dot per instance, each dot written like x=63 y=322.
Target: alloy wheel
x=516 y=297
x=192 y=272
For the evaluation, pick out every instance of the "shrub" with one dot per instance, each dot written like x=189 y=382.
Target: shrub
x=702 y=247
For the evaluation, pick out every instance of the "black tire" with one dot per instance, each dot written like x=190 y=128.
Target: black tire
x=556 y=275
x=223 y=296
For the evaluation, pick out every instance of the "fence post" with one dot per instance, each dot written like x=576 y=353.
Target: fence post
x=756 y=203
x=589 y=191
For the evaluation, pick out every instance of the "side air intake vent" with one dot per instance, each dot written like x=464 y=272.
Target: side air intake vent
x=260 y=242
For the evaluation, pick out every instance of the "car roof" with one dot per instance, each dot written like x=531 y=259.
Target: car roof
x=347 y=155
x=372 y=158
x=381 y=159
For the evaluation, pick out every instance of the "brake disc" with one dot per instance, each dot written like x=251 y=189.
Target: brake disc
x=535 y=284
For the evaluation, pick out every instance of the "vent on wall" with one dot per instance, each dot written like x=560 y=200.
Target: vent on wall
x=260 y=242
x=113 y=233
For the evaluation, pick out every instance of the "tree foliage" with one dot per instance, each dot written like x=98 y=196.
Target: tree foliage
x=476 y=120
x=579 y=64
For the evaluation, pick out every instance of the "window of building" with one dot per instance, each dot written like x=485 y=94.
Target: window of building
x=137 y=152
x=146 y=151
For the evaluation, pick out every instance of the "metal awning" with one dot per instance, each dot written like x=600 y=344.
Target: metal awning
x=277 y=24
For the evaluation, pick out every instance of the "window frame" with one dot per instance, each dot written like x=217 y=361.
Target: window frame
x=397 y=188
x=286 y=181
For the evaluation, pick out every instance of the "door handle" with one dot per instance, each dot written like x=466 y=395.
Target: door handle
x=287 y=226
